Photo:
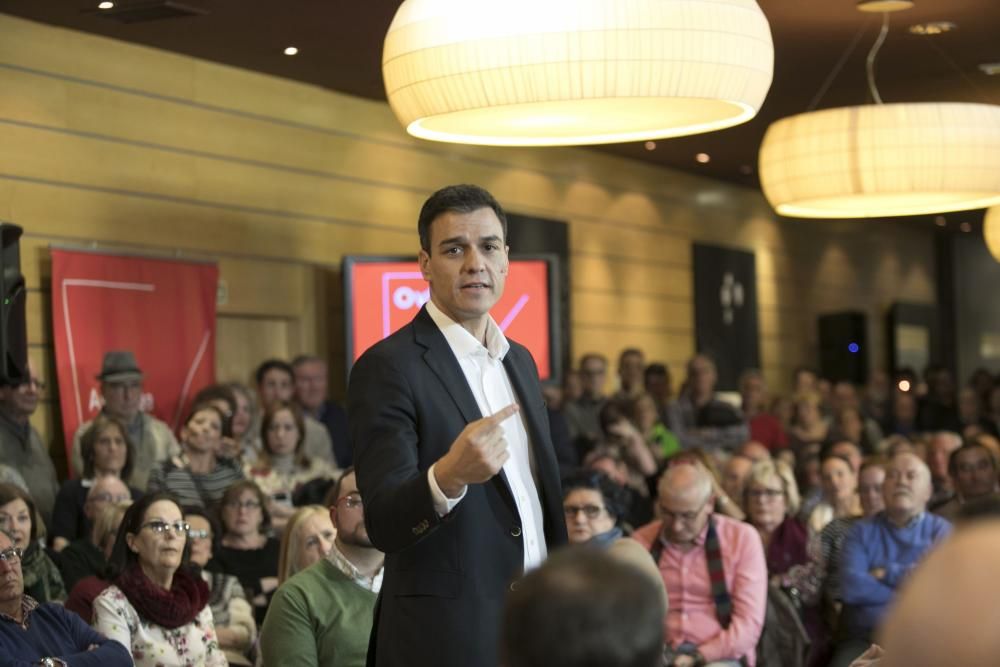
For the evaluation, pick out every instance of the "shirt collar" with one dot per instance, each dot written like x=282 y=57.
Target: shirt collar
x=339 y=561
x=28 y=605
x=462 y=343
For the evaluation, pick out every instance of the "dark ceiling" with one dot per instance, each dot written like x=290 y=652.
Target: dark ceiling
x=340 y=44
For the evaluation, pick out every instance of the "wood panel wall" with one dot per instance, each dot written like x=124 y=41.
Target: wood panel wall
x=109 y=145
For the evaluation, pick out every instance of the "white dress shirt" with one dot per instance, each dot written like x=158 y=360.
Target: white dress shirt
x=484 y=371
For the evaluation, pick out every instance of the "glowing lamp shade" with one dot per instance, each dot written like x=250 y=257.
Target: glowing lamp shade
x=564 y=72
x=883 y=160
x=991 y=230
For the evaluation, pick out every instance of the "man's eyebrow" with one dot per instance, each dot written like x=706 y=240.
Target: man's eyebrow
x=462 y=240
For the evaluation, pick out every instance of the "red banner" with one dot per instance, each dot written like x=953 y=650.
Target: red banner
x=161 y=310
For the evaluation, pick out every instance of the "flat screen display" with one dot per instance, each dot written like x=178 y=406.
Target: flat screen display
x=383 y=294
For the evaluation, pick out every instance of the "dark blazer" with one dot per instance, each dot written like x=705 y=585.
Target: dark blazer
x=445 y=578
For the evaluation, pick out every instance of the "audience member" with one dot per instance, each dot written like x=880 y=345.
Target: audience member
x=121 y=388
x=947 y=614
x=631 y=374
x=323 y=615
x=808 y=425
x=643 y=414
x=223 y=399
x=283 y=465
x=844 y=397
x=157 y=607
x=723 y=503
x=198 y=477
x=753 y=450
x=903 y=420
x=231 y=611
x=85 y=589
x=106 y=452
x=621 y=432
x=311 y=396
x=245 y=549
x=609 y=460
x=805 y=380
x=848 y=450
x=973 y=469
x=9 y=475
x=714 y=570
x=879 y=552
x=46 y=634
x=939 y=451
x=276 y=384
x=245 y=432
x=85 y=557
x=18 y=518
x=658 y=384
x=583 y=608
x=938 y=410
x=21 y=445
x=583 y=414
x=699 y=419
x=772 y=501
x=308 y=538
x=765 y=428
x=840 y=493
x=735 y=474
x=808 y=477
x=848 y=425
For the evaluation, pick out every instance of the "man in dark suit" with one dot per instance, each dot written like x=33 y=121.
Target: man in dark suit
x=452 y=450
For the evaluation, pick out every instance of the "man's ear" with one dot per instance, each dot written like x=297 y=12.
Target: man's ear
x=333 y=515
x=424 y=258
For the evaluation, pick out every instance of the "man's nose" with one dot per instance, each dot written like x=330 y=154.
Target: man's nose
x=474 y=260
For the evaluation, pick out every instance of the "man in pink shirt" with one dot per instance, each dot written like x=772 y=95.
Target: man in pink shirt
x=714 y=571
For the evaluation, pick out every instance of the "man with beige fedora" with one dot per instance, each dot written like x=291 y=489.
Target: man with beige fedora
x=121 y=387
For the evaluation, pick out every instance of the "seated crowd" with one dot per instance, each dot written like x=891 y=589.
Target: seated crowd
x=768 y=530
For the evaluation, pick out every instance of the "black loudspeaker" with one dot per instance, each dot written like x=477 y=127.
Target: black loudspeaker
x=843 y=347
x=13 y=325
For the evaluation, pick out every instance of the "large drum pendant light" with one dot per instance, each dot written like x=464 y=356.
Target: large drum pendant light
x=563 y=72
x=991 y=231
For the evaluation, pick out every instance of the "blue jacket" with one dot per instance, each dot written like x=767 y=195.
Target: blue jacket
x=876 y=543
x=54 y=632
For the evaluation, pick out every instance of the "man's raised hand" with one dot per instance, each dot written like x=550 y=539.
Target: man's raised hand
x=476 y=455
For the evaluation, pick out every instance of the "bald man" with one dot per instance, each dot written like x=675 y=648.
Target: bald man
x=948 y=612
x=880 y=552
x=692 y=547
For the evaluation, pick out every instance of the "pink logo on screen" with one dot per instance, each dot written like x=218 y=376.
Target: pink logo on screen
x=403 y=292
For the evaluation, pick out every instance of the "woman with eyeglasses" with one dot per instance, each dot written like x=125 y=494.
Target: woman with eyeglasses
x=246 y=549
x=42 y=580
x=283 y=466
x=231 y=611
x=199 y=476
x=157 y=607
x=308 y=538
x=106 y=449
x=771 y=501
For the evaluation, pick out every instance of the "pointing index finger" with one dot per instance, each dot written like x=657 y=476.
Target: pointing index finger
x=502 y=414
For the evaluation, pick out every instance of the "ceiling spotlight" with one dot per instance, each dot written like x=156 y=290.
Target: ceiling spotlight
x=965 y=227
x=703 y=157
x=940 y=221
x=291 y=51
x=932 y=28
x=881 y=6
x=650 y=145
x=990 y=69
x=106 y=5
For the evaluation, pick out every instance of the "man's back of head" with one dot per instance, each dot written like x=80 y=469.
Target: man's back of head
x=583 y=608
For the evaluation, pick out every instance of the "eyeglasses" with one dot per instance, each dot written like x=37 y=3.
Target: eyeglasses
x=199 y=534
x=686 y=517
x=245 y=505
x=351 y=500
x=764 y=494
x=11 y=555
x=108 y=498
x=179 y=527
x=589 y=511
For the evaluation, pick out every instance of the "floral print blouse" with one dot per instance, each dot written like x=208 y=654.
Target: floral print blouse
x=153 y=645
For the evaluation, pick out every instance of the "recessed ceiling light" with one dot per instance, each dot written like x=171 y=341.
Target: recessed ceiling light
x=106 y=5
x=990 y=69
x=703 y=157
x=932 y=28
x=965 y=227
x=650 y=145
x=290 y=50
x=940 y=221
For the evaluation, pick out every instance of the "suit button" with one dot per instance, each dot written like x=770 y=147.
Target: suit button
x=513 y=585
x=515 y=531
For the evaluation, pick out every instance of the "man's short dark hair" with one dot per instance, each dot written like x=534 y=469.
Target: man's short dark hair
x=270 y=365
x=460 y=199
x=967 y=446
x=583 y=608
x=656 y=370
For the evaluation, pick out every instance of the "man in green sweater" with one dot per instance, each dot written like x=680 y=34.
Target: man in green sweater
x=323 y=615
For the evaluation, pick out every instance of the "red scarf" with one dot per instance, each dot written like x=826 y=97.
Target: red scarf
x=171 y=609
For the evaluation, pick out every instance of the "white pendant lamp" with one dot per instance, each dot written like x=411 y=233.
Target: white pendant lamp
x=991 y=231
x=883 y=160
x=564 y=72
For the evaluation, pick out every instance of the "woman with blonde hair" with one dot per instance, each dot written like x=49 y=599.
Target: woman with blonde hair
x=308 y=538
x=772 y=501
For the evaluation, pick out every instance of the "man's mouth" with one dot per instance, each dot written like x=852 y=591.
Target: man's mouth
x=476 y=286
